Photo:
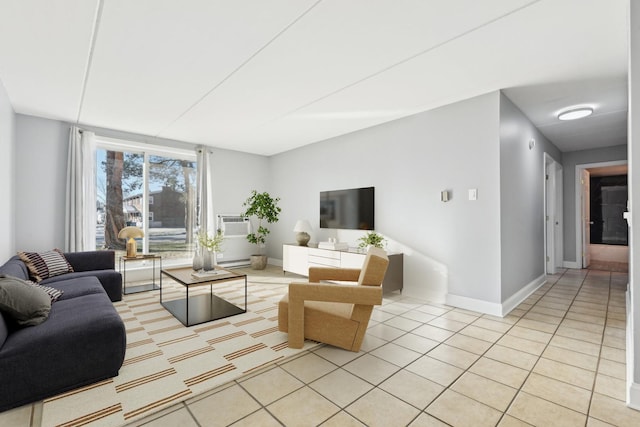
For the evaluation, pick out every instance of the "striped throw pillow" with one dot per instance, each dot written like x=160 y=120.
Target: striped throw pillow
x=53 y=293
x=43 y=265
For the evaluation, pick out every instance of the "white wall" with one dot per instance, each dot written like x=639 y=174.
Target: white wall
x=7 y=193
x=570 y=160
x=40 y=174
x=633 y=297
x=521 y=199
x=449 y=247
x=41 y=165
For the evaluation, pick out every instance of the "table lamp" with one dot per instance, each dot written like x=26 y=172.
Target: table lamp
x=131 y=233
x=302 y=230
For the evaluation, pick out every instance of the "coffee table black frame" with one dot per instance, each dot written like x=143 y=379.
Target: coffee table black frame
x=196 y=309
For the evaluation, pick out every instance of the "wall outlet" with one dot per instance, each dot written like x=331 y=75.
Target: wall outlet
x=473 y=194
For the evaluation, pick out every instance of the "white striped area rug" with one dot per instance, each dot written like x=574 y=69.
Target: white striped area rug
x=166 y=362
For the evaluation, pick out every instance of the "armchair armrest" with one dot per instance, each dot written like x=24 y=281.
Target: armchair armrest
x=327 y=273
x=301 y=292
x=366 y=295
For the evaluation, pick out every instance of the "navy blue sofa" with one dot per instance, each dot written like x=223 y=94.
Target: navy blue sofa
x=83 y=340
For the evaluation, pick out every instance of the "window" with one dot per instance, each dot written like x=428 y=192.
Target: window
x=132 y=176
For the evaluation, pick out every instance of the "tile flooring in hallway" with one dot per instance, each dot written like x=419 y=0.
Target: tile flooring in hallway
x=557 y=359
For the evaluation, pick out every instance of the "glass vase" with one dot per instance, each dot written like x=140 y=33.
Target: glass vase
x=197 y=259
x=208 y=260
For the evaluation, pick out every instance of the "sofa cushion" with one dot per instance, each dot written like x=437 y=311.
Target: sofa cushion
x=75 y=287
x=24 y=304
x=43 y=265
x=111 y=281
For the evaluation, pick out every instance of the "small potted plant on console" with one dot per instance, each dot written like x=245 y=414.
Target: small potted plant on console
x=266 y=209
x=372 y=239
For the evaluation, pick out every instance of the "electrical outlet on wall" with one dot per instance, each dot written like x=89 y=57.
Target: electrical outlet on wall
x=473 y=194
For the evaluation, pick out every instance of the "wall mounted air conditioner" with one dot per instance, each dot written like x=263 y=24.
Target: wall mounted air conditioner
x=236 y=249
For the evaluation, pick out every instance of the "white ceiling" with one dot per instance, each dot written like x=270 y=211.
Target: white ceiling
x=268 y=76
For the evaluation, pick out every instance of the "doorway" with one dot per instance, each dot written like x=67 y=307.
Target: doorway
x=601 y=231
x=553 y=214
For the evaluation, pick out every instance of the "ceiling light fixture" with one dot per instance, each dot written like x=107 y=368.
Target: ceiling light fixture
x=575 y=113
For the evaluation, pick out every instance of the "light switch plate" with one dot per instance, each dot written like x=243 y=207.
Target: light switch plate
x=473 y=194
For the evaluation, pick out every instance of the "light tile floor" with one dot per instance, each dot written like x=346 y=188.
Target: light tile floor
x=558 y=359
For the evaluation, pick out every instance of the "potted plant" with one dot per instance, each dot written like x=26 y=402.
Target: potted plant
x=266 y=209
x=372 y=239
x=210 y=247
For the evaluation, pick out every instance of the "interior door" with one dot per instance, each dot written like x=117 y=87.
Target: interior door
x=586 y=218
x=558 y=224
x=550 y=201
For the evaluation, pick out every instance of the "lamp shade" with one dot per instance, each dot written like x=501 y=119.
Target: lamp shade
x=130 y=233
x=302 y=226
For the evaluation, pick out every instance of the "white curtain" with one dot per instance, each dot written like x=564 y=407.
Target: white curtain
x=80 y=213
x=206 y=220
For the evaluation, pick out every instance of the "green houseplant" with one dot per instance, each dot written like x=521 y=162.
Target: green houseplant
x=265 y=208
x=372 y=239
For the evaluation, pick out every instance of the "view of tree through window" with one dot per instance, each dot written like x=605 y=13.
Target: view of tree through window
x=169 y=222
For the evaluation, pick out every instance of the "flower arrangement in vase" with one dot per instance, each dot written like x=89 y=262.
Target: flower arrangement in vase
x=210 y=245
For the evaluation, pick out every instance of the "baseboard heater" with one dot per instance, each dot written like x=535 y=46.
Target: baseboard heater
x=236 y=249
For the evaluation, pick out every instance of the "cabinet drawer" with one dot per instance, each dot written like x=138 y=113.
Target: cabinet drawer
x=351 y=260
x=324 y=253
x=322 y=261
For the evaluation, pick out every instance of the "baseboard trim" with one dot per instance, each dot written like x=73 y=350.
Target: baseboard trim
x=633 y=392
x=571 y=264
x=492 y=308
x=633 y=396
x=275 y=261
x=474 y=304
x=514 y=300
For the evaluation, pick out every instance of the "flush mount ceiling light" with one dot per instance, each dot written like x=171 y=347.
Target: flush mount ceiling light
x=574 y=113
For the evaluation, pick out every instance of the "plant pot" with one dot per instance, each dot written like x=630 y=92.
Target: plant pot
x=258 y=262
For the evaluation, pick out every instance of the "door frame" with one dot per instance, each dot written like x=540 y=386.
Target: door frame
x=578 y=204
x=552 y=199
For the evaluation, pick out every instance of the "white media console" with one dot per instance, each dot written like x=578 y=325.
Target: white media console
x=297 y=259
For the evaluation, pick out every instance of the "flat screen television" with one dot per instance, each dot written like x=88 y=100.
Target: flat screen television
x=351 y=209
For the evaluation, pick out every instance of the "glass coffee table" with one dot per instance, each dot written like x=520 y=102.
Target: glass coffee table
x=196 y=309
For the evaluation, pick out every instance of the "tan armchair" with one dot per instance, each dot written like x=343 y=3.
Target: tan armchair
x=332 y=313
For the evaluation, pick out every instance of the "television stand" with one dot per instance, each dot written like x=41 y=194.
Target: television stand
x=297 y=259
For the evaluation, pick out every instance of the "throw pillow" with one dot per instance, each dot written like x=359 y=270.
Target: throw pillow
x=43 y=265
x=26 y=305
x=53 y=293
